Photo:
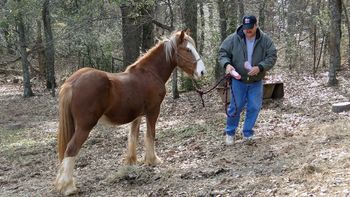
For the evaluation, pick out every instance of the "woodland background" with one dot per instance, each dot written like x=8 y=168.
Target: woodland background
x=301 y=149
x=54 y=38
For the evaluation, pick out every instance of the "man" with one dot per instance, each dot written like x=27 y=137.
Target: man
x=250 y=53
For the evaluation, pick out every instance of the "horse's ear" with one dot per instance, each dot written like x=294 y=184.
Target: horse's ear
x=182 y=36
x=188 y=31
x=183 y=33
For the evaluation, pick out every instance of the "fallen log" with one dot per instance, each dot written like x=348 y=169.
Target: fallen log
x=340 y=107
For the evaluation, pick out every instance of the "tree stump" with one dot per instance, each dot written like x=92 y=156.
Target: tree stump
x=340 y=107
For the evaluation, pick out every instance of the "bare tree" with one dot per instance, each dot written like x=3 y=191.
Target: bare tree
x=23 y=53
x=241 y=8
x=190 y=19
x=334 y=43
x=49 y=48
x=262 y=6
x=347 y=20
x=223 y=33
x=131 y=34
x=40 y=49
x=201 y=40
x=232 y=16
x=147 y=26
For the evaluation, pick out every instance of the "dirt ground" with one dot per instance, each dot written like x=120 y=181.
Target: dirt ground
x=302 y=148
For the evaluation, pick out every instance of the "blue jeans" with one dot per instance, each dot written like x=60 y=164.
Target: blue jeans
x=249 y=94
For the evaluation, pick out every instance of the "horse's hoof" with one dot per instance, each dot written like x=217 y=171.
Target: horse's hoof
x=130 y=160
x=69 y=191
x=154 y=161
x=66 y=187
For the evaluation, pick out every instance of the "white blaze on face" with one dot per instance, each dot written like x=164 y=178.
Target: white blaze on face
x=200 y=68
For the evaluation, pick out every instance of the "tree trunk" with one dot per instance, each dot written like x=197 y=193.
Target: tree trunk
x=190 y=20
x=22 y=49
x=231 y=16
x=147 y=28
x=262 y=14
x=49 y=48
x=347 y=20
x=334 y=44
x=219 y=71
x=174 y=89
x=291 y=42
x=241 y=9
x=190 y=17
x=313 y=31
x=131 y=34
x=202 y=29
x=41 y=51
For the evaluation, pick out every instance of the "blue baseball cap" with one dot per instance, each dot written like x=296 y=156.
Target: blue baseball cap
x=249 y=22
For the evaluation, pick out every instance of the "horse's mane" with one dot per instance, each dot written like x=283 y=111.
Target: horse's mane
x=169 y=45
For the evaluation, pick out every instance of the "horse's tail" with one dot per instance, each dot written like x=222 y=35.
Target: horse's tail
x=66 y=123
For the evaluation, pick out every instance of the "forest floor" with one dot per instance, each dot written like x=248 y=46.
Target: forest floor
x=302 y=147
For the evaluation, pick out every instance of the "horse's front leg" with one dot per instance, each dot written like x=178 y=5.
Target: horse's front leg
x=131 y=157
x=151 y=157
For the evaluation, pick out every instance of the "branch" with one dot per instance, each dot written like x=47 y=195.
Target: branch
x=29 y=51
x=161 y=25
x=10 y=62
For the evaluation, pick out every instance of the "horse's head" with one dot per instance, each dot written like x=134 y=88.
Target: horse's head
x=187 y=57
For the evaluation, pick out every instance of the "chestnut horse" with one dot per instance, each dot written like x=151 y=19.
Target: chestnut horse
x=90 y=95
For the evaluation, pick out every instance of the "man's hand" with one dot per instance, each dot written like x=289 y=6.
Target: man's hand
x=229 y=68
x=254 y=71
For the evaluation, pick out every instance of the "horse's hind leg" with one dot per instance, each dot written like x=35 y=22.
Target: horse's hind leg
x=131 y=157
x=65 y=182
x=151 y=157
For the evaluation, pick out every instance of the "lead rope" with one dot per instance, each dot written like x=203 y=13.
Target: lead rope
x=226 y=77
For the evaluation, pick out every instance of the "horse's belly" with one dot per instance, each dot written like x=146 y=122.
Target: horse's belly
x=116 y=121
x=106 y=121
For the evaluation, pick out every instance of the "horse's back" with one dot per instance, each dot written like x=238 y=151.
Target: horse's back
x=90 y=95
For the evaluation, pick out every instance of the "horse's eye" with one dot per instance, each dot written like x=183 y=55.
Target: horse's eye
x=188 y=50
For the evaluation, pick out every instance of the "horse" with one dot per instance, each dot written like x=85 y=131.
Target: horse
x=90 y=95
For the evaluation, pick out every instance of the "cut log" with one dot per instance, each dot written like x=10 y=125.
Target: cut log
x=340 y=107
x=271 y=90
x=278 y=91
x=268 y=90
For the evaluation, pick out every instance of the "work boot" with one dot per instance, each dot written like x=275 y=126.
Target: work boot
x=229 y=140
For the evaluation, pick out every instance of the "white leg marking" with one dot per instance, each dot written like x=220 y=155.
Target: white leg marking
x=132 y=141
x=64 y=181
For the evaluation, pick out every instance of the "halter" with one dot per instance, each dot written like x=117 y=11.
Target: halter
x=187 y=59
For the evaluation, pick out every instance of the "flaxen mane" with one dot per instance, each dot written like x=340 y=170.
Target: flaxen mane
x=169 y=45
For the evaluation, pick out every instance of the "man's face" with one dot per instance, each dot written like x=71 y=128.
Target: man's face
x=250 y=32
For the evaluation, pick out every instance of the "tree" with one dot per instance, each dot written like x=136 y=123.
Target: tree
x=334 y=42
x=223 y=34
x=147 y=12
x=241 y=9
x=262 y=14
x=347 y=20
x=40 y=48
x=131 y=33
x=190 y=20
x=232 y=16
x=49 y=48
x=23 y=52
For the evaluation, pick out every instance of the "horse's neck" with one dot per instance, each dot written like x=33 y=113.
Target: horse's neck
x=158 y=64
